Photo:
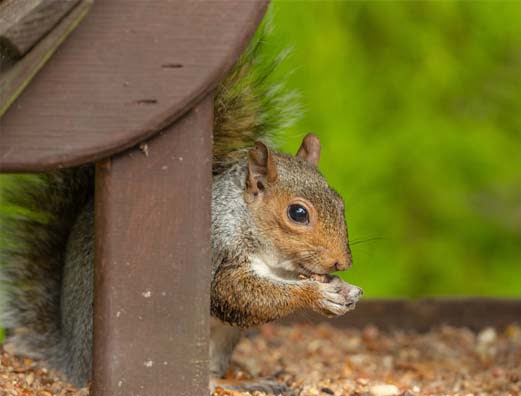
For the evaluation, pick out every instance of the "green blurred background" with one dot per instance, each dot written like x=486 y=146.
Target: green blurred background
x=418 y=106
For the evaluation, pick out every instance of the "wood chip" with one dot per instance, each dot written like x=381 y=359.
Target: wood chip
x=384 y=390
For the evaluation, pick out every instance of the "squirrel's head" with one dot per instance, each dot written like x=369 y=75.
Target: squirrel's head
x=301 y=219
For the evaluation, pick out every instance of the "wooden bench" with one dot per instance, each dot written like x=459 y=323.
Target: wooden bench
x=132 y=74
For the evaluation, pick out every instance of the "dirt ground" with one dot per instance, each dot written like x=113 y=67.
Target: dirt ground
x=323 y=360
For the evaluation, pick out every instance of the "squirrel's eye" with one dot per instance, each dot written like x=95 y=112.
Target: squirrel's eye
x=298 y=213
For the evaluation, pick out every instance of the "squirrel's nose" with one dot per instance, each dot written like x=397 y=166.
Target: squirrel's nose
x=342 y=265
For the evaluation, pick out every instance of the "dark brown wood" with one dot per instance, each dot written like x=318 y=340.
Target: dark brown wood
x=422 y=315
x=153 y=264
x=24 y=22
x=129 y=70
x=16 y=76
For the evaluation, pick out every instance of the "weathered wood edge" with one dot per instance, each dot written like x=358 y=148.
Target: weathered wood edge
x=25 y=23
x=14 y=80
x=424 y=314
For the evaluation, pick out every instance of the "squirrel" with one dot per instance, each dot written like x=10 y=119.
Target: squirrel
x=278 y=231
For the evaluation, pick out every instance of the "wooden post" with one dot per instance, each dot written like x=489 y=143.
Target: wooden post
x=152 y=276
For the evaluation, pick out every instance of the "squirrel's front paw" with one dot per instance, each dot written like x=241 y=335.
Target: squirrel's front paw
x=336 y=297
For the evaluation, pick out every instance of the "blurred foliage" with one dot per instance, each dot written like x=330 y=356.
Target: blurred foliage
x=418 y=106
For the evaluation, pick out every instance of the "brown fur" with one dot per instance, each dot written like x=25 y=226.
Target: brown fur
x=246 y=299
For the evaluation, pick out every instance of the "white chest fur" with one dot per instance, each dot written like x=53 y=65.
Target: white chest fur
x=270 y=268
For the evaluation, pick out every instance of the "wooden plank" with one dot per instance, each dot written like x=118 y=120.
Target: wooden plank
x=16 y=77
x=24 y=22
x=424 y=314
x=152 y=276
x=129 y=70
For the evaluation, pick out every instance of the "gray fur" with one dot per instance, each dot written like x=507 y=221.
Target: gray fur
x=77 y=299
x=231 y=220
x=224 y=337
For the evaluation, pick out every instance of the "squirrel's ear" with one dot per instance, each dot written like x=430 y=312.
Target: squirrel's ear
x=262 y=169
x=310 y=149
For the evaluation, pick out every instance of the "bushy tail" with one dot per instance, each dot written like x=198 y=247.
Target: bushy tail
x=36 y=217
x=253 y=102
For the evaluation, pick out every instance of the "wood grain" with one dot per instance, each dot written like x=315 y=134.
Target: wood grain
x=24 y=22
x=152 y=275
x=128 y=71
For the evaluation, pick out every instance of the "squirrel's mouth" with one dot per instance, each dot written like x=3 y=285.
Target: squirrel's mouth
x=305 y=274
